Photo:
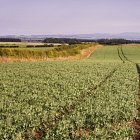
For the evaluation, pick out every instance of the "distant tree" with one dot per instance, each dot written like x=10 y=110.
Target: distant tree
x=10 y=40
x=116 y=41
x=100 y=41
x=62 y=40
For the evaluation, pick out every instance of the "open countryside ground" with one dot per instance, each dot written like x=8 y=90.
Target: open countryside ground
x=94 y=98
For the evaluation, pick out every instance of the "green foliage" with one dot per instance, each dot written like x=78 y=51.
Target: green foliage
x=62 y=40
x=10 y=40
x=88 y=99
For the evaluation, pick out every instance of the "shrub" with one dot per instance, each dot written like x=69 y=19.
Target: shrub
x=30 y=46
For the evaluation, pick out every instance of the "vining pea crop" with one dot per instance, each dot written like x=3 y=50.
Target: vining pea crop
x=46 y=100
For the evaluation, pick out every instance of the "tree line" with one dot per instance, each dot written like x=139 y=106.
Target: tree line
x=100 y=41
x=117 y=41
x=10 y=40
x=78 y=41
x=62 y=40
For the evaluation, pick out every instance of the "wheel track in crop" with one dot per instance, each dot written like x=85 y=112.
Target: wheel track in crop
x=65 y=111
x=119 y=54
x=136 y=123
x=69 y=109
x=126 y=59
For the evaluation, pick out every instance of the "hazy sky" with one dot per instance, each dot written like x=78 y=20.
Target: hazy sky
x=69 y=16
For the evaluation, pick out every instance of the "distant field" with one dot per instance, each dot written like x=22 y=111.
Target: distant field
x=24 y=44
x=92 y=99
x=21 y=44
x=132 y=53
x=106 y=54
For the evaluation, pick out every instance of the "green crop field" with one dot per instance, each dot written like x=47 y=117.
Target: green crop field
x=93 y=99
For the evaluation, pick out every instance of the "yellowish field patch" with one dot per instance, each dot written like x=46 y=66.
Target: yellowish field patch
x=85 y=53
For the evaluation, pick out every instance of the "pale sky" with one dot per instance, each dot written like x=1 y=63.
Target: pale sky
x=43 y=17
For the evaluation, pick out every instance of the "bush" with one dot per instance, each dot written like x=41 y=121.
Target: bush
x=30 y=46
x=4 y=46
x=39 y=46
x=45 y=45
x=10 y=40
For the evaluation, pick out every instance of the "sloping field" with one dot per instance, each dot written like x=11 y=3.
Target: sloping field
x=93 y=98
x=132 y=53
x=46 y=53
